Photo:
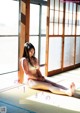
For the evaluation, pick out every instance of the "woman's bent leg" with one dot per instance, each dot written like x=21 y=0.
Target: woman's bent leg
x=38 y=84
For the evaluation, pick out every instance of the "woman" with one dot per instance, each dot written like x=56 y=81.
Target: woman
x=34 y=77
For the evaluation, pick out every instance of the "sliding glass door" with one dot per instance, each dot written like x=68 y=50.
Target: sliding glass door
x=9 y=22
x=38 y=31
x=63 y=37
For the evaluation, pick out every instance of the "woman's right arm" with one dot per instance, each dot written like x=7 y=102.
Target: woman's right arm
x=25 y=67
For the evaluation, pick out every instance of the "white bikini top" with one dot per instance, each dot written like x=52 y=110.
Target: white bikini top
x=31 y=68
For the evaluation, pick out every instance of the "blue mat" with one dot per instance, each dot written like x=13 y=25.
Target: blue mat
x=9 y=108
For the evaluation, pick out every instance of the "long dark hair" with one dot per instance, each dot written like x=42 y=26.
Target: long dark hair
x=27 y=47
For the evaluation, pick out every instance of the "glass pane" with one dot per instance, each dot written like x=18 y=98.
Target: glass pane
x=74 y=18
x=8 y=54
x=56 y=28
x=61 y=6
x=77 y=50
x=78 y=13
x=66 y=17
x=43 y=49
x=34 y=41
x=56 y=16
x=70 y=18
x=70 y=7
x=43 y=27
x=51 y=4
x=68 y=29
x=9 y=17
x=73 y=30
x=55 y=50
x=51 y=15
x=78 y=18
x=78 y=21
x=74 y=8
x=34 y=20
x=42 y=69
x=51 y=29
x=44 y=0
x=60 y=29
x=56 y=4
x=67 y=7
x=68 y=51
x=61 y=17
x=78 y=30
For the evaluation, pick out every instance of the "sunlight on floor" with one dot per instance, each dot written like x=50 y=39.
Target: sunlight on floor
x=8 y=80
x=24 y=94
x=66 y=102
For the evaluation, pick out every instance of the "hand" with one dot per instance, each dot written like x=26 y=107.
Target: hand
x=42 y=78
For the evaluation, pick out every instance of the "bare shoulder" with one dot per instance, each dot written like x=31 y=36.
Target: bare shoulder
x=23 y=60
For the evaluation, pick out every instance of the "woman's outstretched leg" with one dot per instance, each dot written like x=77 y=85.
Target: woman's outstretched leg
x=69 y=91
x=48 y=86
x=56 y=84
x=71 y=87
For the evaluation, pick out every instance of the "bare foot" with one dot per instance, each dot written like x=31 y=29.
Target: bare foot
x=73 y=84
x=73 y=87
x=70 y=91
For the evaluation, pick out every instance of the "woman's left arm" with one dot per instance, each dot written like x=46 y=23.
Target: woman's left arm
x=41 y=77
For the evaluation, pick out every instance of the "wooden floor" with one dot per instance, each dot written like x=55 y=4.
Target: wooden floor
x=25 y=100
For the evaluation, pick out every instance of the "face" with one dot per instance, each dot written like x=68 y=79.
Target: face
x=31 y=52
